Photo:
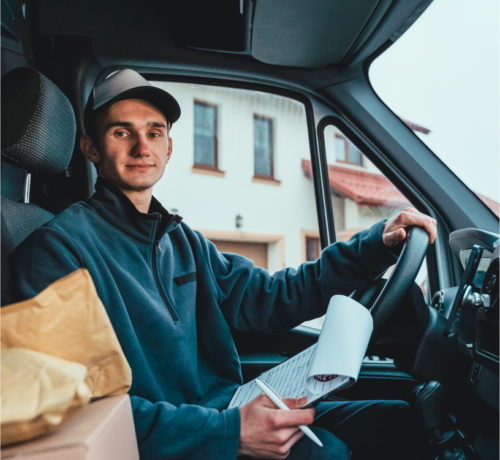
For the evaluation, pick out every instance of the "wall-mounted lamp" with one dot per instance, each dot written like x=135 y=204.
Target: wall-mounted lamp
x=238 y=221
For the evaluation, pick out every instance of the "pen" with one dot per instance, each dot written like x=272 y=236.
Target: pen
x=276 y=399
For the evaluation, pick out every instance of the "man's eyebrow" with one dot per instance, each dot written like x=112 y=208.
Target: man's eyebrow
x=127 y=124
x=157 y=124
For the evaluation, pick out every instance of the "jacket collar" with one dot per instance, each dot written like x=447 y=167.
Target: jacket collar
x=112 y=205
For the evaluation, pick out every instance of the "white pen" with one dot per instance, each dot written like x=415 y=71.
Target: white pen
x=276 y=399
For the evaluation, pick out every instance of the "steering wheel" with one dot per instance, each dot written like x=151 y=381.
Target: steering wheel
x=391 y=296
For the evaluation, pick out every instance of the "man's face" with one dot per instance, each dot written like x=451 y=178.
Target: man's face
x=133 y=145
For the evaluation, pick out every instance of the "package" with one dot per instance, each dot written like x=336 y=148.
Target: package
x=101 y=430
x=39 y=391
x=68 y=320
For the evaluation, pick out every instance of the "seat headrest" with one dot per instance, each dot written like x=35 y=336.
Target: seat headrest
x=38 y=122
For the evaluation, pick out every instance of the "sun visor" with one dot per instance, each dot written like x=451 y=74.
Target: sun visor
x=308 y=34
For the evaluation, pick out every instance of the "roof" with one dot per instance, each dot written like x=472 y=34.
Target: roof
x=416 y=127
x=365 y=188
x=372 y=189
x=492 y=204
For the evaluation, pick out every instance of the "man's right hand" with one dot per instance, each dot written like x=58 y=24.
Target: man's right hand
x=269 y=432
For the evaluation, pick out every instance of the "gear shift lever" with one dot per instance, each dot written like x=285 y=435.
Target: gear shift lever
x=429 y=403
x=446 y=440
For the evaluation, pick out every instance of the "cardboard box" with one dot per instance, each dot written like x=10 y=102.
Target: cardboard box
x=103 y=430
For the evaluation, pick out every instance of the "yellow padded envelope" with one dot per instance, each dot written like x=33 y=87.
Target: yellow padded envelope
x=69 y=321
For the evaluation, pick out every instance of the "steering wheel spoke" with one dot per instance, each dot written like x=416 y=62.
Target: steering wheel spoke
x=396 y=287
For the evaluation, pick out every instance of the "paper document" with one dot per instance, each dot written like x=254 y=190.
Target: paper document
x=331 y=364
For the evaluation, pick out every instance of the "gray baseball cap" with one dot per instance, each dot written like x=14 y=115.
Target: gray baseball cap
x=128 y=84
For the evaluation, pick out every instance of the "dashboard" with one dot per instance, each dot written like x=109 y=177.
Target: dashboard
x=470 y=310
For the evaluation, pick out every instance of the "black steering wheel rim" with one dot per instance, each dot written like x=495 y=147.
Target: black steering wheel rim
x=405 y=271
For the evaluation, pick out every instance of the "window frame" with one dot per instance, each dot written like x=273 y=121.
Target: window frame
x=202 y=166
x=317 y=242
x=308 y=234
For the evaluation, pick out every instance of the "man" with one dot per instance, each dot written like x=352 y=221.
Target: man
x=173 y=299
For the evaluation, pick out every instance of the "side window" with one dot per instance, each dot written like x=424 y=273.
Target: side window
x=205 y=135
x=246 y=190
x=361 y=194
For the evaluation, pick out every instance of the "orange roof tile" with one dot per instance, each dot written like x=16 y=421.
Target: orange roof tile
x=365 y=188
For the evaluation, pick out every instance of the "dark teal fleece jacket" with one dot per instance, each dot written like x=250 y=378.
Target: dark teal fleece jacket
x=173 y=298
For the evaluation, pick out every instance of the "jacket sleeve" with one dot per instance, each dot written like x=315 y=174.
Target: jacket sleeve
x=188 y=431
x=252 y=299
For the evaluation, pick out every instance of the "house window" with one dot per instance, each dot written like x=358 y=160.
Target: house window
x=355 y=156
x=347 y=152
x=263 y=146
x=205 y=135
x=340 y=148
x=313 y=248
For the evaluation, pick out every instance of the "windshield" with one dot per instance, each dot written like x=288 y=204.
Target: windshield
x=442 y=78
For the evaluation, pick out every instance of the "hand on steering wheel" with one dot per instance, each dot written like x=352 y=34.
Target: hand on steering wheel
x=394 y=229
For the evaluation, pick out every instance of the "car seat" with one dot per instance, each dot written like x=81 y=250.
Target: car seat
x=38 y=136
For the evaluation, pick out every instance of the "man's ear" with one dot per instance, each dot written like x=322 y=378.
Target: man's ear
x=88 y=148
x=169 y=153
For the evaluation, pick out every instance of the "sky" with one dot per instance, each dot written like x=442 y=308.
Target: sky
x=443 y=74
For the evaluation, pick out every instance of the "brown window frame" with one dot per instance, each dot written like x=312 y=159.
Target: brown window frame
x=348 y=151
x=214 y=167
x=271 y=141
x=312 y=236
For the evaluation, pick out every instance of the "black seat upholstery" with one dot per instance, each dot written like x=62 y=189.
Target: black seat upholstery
x=38 y=135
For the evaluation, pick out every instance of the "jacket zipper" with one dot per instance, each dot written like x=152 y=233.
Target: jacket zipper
x=170 y=309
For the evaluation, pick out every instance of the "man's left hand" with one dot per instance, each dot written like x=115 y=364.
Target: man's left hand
x=394 y=229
